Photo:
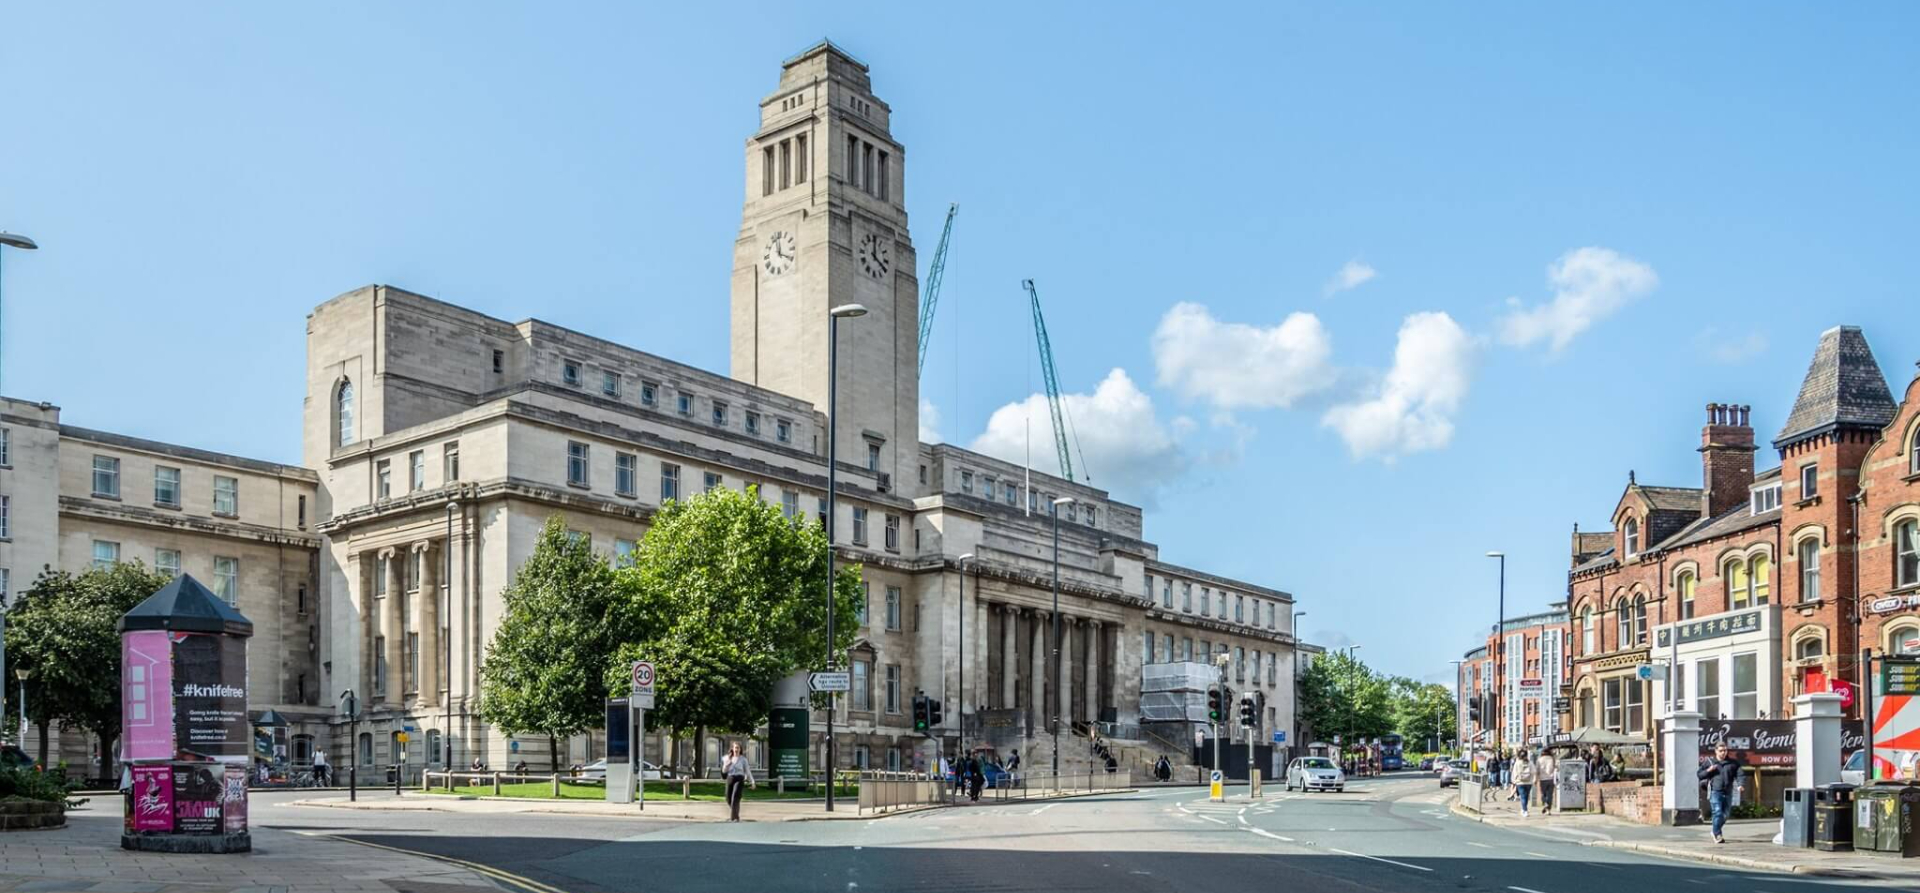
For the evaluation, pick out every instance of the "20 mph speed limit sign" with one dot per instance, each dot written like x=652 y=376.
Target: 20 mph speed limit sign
x=643 y=684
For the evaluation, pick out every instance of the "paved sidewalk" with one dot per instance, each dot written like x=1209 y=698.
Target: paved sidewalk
x=845 y=809
x=1749 y=843
x=86 y=856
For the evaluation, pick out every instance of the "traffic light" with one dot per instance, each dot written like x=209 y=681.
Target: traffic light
x=1214 y=713
x=1246 y=712
x=933 y=712
x=1473 y=708
x=920 y=705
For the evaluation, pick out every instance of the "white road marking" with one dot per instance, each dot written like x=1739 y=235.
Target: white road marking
x=1214 y=820
x=1043 y=809
x=1380 y=859
x=1242 y=817
x=1484 y=846
x=1523 y=890
x=1265 y=833
x=1540 y=855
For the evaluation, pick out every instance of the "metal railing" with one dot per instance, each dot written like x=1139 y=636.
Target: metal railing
x=1031 y=786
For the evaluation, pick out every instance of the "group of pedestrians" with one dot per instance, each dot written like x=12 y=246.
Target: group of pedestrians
x=969 y=775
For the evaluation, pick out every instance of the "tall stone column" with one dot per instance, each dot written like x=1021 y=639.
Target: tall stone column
x=392 y=625
x=426 y=620
x=1064 y=709
x=1009 y=655
x=981 y=685
x=1094 y=631
x=364 y=569
x=1037 y=703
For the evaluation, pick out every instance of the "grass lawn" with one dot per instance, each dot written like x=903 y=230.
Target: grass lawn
x=656 y=790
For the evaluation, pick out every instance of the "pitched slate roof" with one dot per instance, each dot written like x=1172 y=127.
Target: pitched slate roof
x=1731 y=521
x=1598 y=562
x=1843 y=387
x=1684 y=499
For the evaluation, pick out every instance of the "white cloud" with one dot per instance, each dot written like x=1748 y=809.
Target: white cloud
x=929 y=421
x=1589 y=284
x=1128 y=451
x=1730 y=349
x=1235 y=365
x=1412 y=408
x=1352 y=275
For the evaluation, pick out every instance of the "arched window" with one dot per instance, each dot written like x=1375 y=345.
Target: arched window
x=434 y=747
x=366 y=748
x=1903 y=639
x=1687 y=584
x=343 y=409
x=1760 y=575
x=1623 y=623
x=1633 y=537
x=1913 y=452
x=1906 y=560
x=1640 y=619
x=1736 y=576
x=1809 y=648
x=1586 y=630
x=1809 y=558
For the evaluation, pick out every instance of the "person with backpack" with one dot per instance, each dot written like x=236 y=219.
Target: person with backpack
x=1524 y=775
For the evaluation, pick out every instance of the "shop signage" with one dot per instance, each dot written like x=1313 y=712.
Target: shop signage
x=1893 y=603
x=1768 y=743
x=1899 y=676
x=1531 y=688
x=1710 y=628
x=787 y=737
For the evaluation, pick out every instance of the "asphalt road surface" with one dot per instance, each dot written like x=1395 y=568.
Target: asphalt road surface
x=1381 y=835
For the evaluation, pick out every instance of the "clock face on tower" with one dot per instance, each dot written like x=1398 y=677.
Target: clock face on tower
x=779 y=256
x=875 y=257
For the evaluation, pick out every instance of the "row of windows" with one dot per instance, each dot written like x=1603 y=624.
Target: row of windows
x=867 y=169
x=226 y=571
x=996 y=489
x=1167 y=653
x=1240 y=602
x=721 y=413
x=417 y=470
x=783 y=165
x=167 y=485
x=862 y=694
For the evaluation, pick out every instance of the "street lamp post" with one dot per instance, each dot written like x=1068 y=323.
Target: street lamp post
x=960 y=710
x=13 y=240
x=1499 y=654
x=446 y=642
x=1353 y=685
x=23 y=674
x=1059 y=684
x=834 y=315
x=1294 y=726
x=1457 y=689
x=350 y=705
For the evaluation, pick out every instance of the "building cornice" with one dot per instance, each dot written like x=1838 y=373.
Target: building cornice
x=120 y=513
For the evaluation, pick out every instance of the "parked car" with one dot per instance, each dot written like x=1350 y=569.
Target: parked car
x=1315 y=773
x=597 y=770
x=1854 y=770
x=996 y=776
x=1450 y=773
x=12 y=757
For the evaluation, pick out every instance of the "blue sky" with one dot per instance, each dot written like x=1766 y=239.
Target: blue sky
x=1386 y=287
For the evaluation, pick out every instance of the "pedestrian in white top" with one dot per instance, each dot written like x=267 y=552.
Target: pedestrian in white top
x=739 y=774
x=1545 y=766
x=1524 y=775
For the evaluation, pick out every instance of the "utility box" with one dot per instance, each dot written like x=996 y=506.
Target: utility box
x=1796 y=818
x=1883 y=819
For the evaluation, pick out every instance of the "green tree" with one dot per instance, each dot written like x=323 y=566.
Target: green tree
x=566 y=614
x=65 y=632
x=1423 y=712
x=1340 y=695
x=741 y=591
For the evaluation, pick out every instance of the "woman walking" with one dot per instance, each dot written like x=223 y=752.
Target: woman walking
x=1523 y=778
x=739 y=776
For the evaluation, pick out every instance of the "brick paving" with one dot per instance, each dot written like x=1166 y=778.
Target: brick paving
x=86 y=856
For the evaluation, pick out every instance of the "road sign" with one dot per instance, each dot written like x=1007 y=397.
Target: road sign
x=642 y=676
x=400 y=737
x=642 y=700
x=1279 y=737
x=1215 y=776
x=1646 y=672
x=1531 y=688
x=830 y=681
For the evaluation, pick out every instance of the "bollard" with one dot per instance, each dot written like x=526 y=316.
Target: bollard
x=496 y=782
x=398 y=774
x=353 y=783
x=780 y=785
x=556 y=785
x=686 y=789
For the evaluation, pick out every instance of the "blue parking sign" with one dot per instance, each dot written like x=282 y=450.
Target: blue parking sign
x=1279 y=737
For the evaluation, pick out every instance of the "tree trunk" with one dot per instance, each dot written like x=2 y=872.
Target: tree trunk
x=106 y=759
x=674 y=760
x=43 y=747
x=700 y=751
x=553 y=754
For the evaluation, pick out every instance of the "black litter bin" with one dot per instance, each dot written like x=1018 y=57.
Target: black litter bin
x=1896 y=828
x=1833 y=818
x=1796 y=818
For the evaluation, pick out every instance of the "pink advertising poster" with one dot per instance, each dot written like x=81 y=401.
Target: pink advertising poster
x=233 y=800
x=152 y=799
x=146 y=694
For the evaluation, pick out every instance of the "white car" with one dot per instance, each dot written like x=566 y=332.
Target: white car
x=1315 y=773
x=598 y=770
x=1854 y=771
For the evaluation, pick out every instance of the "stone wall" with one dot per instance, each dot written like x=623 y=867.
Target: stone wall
x=27 y=815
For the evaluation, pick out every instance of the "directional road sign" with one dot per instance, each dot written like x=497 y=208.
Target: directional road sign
x=830 y=681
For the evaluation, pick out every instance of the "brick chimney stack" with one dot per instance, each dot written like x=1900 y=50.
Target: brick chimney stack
x=1726 y=457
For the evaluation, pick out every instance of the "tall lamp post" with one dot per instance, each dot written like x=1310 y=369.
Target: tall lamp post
x=14 y=240
x=23 y=674
x=1294 y=728
x=1059 y=686
x=446 y=640
x=1457 y=688
x=834 y=315
x=1353 y=683
x=961 y=709
x=1499 y=654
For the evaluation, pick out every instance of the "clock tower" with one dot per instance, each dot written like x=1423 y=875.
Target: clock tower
x=825 y=224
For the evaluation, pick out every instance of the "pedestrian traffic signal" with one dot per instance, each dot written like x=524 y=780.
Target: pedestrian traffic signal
x=934 y=713
x=1247 y=712
x=1473 y=708
x=920 y=704
x=1214 y=713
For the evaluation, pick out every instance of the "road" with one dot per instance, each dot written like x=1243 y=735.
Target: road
x=1392 y=834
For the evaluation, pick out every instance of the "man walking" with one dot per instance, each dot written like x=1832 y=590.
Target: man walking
x=1545 y=767
x=1722 y=775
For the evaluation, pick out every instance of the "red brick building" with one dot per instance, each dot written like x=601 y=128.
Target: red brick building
x=1536 y=649
x=1746 y=586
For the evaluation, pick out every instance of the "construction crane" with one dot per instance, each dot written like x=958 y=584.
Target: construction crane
x=1062 y=420
x=935 y=273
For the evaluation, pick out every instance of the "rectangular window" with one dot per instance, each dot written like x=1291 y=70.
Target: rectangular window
x=820 y=511
x=417 y=470
x=1073 y=513
x=226 y=496
x=892 y=541
x=1186 y=648
x=649 y=394
x=6 y=517
x=1766 y=499
x=1746 y=686
x=866 y=167
x=1273 y=668
x=570 y=372
x=893 y=688
x=866 y=598
x=1809 y=570
x=753 y=422
x=382 y=479
x=1636 y=705
x=1186 y=597
x=300 y=600
x=1149 y=587
x=1762 y=573
x=1240 y=609
x=166 y=486
x=626 y=474
x=800 y=159
x=893 y=608
x=786 y=163
x=859 y=526
x=380 y=576
x=1091 y=516
x=412 y=668
x=789 y=504
x=411 y=580
x=783 y=431
x=1256 y=668
x=450 y=462
x=1809 y=481
x=1706 y=687
x=873 y=457
x=226 y=579
x=1146 y=652
x=1239 y=664
x=669 y=482
x=106 y=476
x=1012 y=493
x=886 y=190
x=966 y=481
x=1610 y=696
x=685 y=404
x=623 y=552
x=1206 y=599
x=577 y=463
x=1206 y=651
x=610 y=384
x=862 y=686
x=167 y=561
x=766 y=171
x=499 y=361
x=712 y=482
x=379 y=666
x=6 y=446
x=719 y=413
x=1737 y=584
x=105 y=553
